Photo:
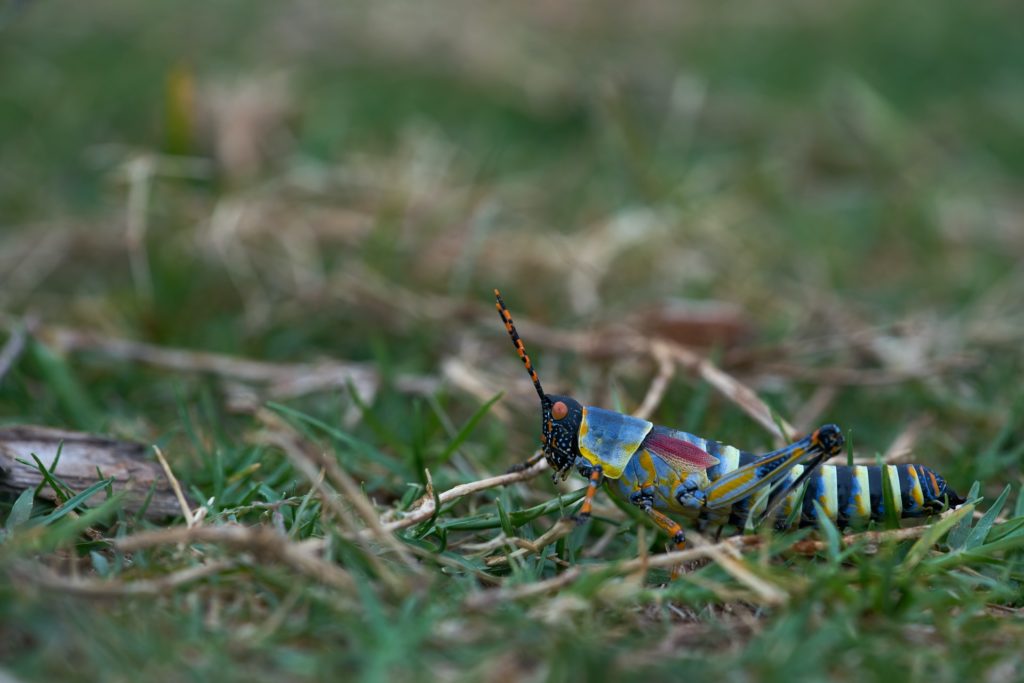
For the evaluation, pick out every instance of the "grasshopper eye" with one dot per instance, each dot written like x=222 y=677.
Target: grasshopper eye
x=559 y=410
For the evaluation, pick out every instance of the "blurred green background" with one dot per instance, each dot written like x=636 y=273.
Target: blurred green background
x=837 y=189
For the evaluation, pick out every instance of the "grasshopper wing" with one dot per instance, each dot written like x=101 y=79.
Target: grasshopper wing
x=679 y=449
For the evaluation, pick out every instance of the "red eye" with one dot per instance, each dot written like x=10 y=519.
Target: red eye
x=559 y=410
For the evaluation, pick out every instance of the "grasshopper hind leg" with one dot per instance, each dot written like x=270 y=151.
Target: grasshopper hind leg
x=672 y=528
x=766 y=470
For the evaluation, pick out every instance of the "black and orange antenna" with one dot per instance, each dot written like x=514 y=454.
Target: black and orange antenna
x=506 y=317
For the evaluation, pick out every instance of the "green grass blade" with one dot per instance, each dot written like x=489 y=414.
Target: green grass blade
x=555 y=505
x=892 y=520
x=981 y=553
x=506 y=521
x=358 y=446
x=833 y=539
x=793 y=518
x=56 y=534
x=958 y=536
x=935 y=532
x=61 y=490
x=21 y=511
x=981 y=529
x=1011 y=527
x=777 y=419
x=467 y=429
x=75 y=502
x=71 y=394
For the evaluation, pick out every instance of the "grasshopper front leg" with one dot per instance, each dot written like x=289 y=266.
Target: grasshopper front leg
x=527 y=464
x=593 y=483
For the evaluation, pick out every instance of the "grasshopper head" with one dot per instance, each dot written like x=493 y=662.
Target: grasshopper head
x=561 y=418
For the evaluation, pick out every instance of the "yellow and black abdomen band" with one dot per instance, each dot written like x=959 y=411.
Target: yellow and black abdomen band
x=840 y=491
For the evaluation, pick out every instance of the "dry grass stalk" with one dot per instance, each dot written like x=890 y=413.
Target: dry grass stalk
x=809 y=415
x=139 y=173
x=42 y=576
x=768 y=593
x=900 y=450
x=312 y=462
x=470 y=380
x=659 y=385
x=284 y=380
x=186 y=511
x=902 y=446
x=731 y=388
x=715 y=551
x=425 y=509
x=414 y=306
x=261 y=541
x=563 y=527
x=279 y=435
x=617 y=343
x=842 y=376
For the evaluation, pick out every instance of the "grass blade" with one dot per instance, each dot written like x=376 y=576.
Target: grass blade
x=980 y=531
x=61 y=490
x=958 y=536
x=828 y=529
x=75 y=502
x=924 y=544
x=467 y=429
x=892 y=520
x=72 y=396
x=21 y=511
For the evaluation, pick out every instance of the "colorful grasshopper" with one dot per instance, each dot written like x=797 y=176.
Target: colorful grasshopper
x=660 y=469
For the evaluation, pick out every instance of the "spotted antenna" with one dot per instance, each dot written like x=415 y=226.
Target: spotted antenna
x=506 y=317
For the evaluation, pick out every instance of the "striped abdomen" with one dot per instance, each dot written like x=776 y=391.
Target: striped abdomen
x=850 y=496
x=854 y=495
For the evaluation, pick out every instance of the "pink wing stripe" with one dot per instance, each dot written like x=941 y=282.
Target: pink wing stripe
x=665 y=445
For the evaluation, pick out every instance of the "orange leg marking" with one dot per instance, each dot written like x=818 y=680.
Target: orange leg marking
x=669 y=526
x=674 y=531
x=596 y=476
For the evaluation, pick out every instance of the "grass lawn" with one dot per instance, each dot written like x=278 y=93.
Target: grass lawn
x=263 y=237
